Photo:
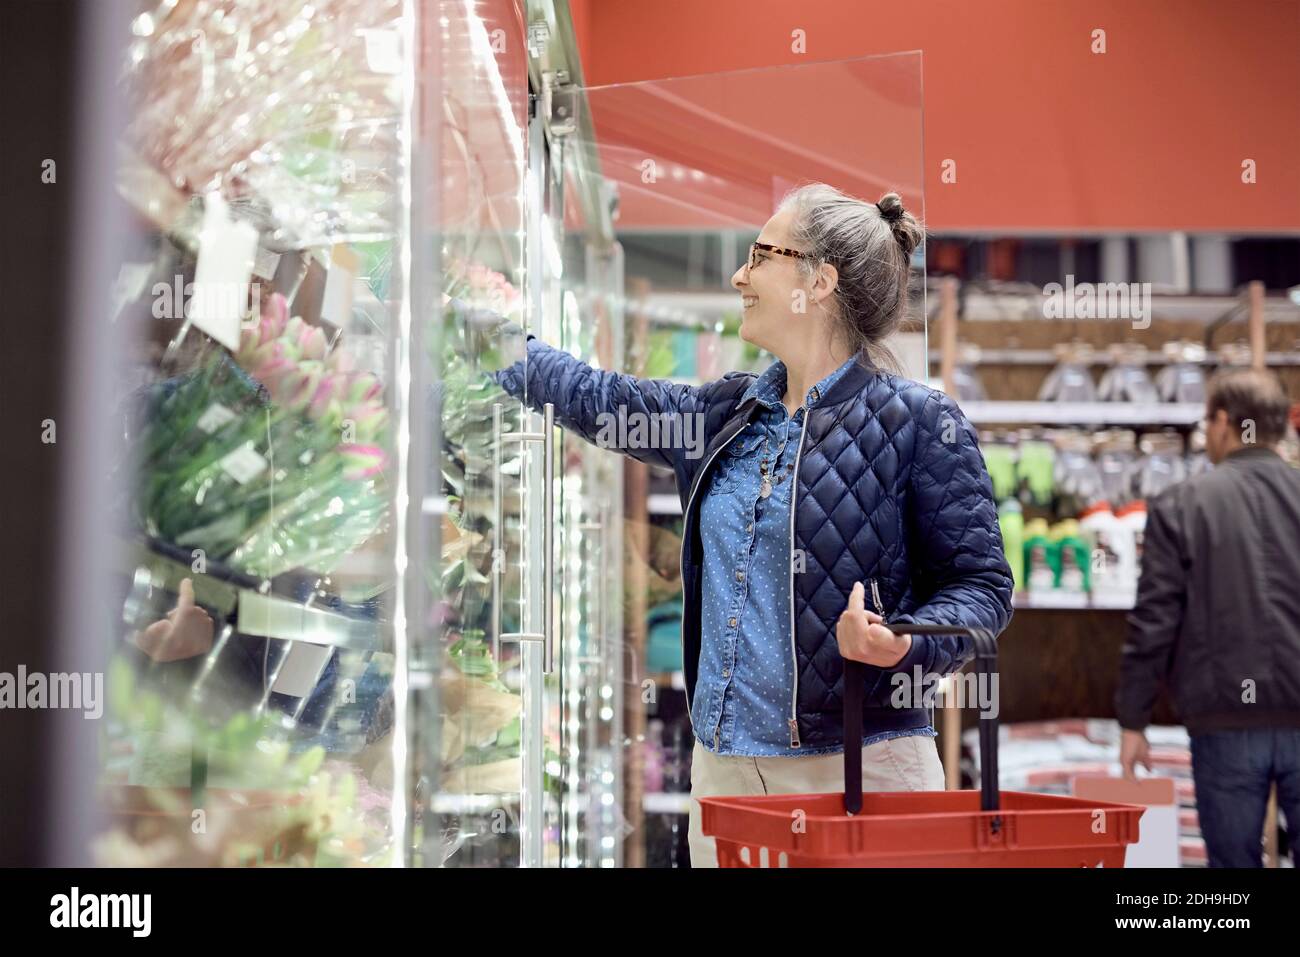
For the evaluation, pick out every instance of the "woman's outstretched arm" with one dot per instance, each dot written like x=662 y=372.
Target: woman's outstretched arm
x=652 y=420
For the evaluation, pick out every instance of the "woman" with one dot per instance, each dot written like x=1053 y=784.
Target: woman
x=830 y=496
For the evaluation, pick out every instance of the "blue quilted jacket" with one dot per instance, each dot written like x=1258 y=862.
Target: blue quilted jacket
x=891 y=491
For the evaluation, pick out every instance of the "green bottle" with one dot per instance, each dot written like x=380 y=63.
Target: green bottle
x=1074 y=564
x=1011 y=519
x=1040 y=558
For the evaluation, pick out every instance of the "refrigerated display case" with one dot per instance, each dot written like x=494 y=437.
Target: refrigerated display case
x=362 y=593
x=360 y=606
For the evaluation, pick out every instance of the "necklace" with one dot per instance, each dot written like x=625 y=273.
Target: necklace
x=766 y=480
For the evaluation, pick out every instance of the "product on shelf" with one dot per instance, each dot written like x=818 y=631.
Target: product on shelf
x=1116 y=452
x=1076 y=477
x=1162 y=463
x=1183 y=379
x=1041 y=557
x=1073 y=558
x=1127 y=380
x=1011 y=519
x=1133 y=518
x=270 y=463
x=1070 y=380
x=1035 y=467
x=1114 y=562
x=1000 y=461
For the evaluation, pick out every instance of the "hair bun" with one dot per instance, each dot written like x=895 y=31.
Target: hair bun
x=907 y=231
x=891 y=208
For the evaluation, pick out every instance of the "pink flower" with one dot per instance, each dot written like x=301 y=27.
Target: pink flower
x=329 y=392
x=265 y=353
x=270 y=373
x=275 y=312
x=362 y=461
x=297 y=386
x=364 y=388
x=369 y=419
x=312 y=342
x=270 y=326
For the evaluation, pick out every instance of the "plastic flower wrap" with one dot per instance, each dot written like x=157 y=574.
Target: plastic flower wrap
x=271 y=462
x=291 y=106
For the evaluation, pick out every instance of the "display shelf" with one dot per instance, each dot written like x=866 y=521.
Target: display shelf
x=445 y=802
x=1071 y=602
x=1025 y=304
x=258 y=608
x=1047 y=357
x=1083 y=413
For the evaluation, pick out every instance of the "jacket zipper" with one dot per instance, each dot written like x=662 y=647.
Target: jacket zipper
x=794 y=659
x=681 y=556
x=875 y=597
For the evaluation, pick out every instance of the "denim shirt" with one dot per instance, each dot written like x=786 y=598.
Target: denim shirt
x=742 y=698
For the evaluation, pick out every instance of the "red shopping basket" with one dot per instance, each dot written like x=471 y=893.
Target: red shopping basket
x=984 y=828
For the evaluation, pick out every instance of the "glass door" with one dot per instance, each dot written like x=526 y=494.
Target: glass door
x=243 y=526
x=481 y=611
x=584 y=696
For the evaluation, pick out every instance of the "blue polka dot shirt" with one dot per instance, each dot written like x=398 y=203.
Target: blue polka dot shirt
x=743 y=698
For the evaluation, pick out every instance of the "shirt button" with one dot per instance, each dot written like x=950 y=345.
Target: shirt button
x=726 y=672
x=740 y=576
x=731 y=622
x=749 y=527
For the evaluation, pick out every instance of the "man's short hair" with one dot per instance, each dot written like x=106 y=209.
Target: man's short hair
x=1251 y=395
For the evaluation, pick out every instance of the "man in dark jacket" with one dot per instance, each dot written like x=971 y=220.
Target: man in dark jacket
x=1218 y=619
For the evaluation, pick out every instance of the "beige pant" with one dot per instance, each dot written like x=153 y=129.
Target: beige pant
x=897 y=764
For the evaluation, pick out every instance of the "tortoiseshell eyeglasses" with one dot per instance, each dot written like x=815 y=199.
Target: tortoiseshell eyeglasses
x=769 y=248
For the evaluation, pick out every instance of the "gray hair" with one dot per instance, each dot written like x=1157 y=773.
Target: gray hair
x=1251 y=395
x=870 y=245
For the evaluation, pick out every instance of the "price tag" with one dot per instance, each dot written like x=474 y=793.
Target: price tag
x=226 y=253
x=214 y=417
x=266 y=263
x=301 y=669
x=336 y=303
x=244 y=464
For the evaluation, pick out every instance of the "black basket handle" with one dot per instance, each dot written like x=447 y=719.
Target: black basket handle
x=855 y=674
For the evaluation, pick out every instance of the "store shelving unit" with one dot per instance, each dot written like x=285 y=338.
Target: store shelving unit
x=1085 y=632
x=1071 y=602
x=1083 y=413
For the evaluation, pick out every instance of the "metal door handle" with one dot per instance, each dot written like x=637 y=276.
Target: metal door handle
x=547 y=635
x=498 y=518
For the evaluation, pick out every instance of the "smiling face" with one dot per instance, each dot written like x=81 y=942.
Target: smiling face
x=779 y=306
